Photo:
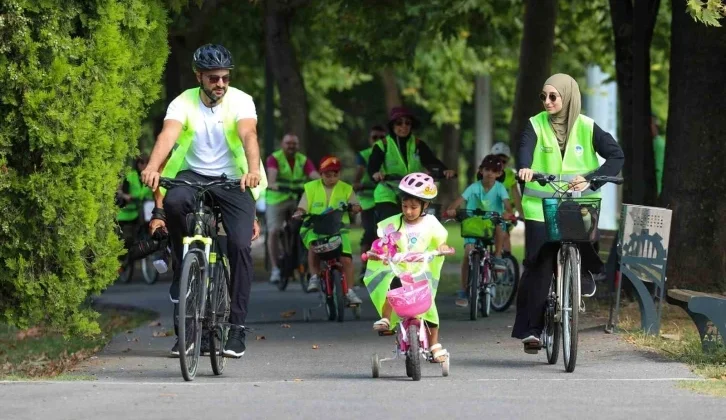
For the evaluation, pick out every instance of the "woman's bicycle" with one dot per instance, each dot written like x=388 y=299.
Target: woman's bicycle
x=487 y=289
x=204 y=302
x=409 y=302
x=570 y=220
x=329 y=248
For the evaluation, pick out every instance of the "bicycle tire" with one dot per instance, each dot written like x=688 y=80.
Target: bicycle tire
x=337 y=281
x=330 y=307
x=414 y=352
x=221 y=302
x=473 y=284
x=284 y=263
x=510 y=292
x=127 y=273
x=148 y=271
x=571 y=299
x=190 y=279
x=552 y=330
x=409 y=366
x=485 y=303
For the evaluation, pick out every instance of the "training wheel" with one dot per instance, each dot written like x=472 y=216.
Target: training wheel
x=356 y=311
x=307 y=315
x=445 y=366
x=375 y=365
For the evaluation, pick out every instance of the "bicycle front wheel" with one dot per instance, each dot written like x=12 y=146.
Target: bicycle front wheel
x=189 y=314
x=505 y=285
x=570 y=306
x=221 y=304
x=337 y=281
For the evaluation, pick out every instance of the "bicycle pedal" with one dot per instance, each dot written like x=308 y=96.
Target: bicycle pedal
x=386 y=333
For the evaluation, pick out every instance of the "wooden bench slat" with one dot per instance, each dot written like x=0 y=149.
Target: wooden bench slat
x=684 y=295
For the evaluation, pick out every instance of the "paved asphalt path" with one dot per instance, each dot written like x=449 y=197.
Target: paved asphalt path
x=283 y=377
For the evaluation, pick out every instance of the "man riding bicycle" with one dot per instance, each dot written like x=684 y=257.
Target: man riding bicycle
x=397 y=155
x=286 y=168
x=212 y=130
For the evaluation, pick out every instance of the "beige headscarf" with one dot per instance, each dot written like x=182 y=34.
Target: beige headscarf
x=563 y=121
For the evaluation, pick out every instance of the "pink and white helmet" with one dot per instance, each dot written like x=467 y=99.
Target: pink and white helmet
x=419 y=185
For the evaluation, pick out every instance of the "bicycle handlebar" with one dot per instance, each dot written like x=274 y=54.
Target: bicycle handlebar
x=544 y=179
x=224 y=182
x=406 y=256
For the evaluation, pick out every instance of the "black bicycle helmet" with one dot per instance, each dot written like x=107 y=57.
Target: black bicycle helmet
x=212 y=57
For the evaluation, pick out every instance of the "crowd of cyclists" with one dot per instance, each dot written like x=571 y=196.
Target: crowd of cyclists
x=210 y=131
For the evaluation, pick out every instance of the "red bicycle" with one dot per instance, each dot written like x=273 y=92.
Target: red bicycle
x=329 y=247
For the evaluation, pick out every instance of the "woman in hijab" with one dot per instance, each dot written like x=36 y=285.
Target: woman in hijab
x=565 y=143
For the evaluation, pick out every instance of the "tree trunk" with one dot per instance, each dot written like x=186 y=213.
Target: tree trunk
x=621 y=14
x=535 y=58
x=451 y=142
x=640 y=162
x=393 y=96
x=694 y=183
x=281 y=54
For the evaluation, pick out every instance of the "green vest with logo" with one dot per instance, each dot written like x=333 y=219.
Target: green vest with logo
x=394 y=165
x=579 y=159
x=191 y=102
x=137 y=191
x=318 y=202
x=287 y=177
x=365 y=196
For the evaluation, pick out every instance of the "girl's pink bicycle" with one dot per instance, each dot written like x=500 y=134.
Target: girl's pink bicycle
x=409 y=302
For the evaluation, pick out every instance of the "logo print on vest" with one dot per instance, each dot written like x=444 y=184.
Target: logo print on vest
x=579 y=150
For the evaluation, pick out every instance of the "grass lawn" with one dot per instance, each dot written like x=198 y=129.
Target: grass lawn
x=39 y=353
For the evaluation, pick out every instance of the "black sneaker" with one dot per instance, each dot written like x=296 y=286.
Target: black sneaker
x=587 y=284
x=235 y=346
x=175 y=350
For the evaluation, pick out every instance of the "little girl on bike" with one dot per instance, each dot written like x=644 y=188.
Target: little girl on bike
x=411 y=231
x=488 y=195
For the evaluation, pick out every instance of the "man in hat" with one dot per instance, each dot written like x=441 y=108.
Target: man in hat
x=397 y=155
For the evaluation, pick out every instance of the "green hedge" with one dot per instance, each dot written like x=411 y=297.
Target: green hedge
x=77 y=79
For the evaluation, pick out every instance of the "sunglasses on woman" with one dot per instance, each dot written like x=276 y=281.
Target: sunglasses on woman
x=213 y=78
x=402 y=122
x=543 y=97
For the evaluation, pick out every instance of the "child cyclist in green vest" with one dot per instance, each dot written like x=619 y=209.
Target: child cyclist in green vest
x=321 y=195
x=488 y=195
x=411 y=230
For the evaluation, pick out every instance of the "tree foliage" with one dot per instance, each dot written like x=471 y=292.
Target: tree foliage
x=709 y=12
x=78 y=78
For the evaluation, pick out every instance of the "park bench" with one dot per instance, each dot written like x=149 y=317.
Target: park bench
x=708 y=312
x=642 y=257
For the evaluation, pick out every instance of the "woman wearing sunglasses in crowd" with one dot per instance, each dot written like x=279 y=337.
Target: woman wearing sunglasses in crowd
x=563 y=142
x=397 y=155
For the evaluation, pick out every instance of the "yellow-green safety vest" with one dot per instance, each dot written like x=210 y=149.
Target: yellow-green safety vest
x=138 y=191
x=393 y=164
x=318 y=202
x=365 y=196
x=579 y=159
x=287 y=177
x=378 y=276
x=191 y=102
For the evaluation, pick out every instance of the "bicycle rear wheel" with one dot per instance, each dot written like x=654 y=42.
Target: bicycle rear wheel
x=570 y=307
x=552 y=329
x=221 y=304
x=474 y=275
x=505 y=285
x=189 y=315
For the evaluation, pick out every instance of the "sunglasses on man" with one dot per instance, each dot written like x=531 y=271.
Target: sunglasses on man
x=213 y=78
